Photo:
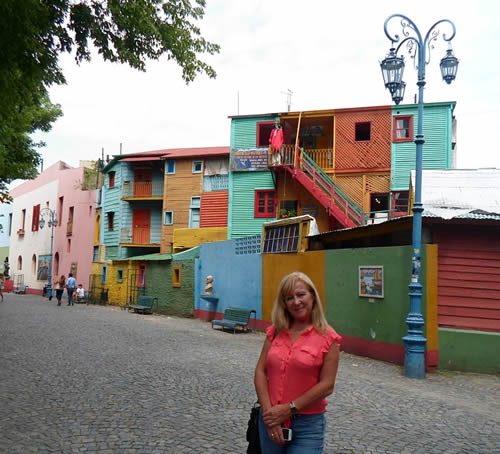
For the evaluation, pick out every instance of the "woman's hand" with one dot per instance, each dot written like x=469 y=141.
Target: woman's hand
x=276 y=415
x=276 y=434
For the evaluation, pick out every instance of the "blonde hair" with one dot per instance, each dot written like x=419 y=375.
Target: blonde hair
x=281 y=318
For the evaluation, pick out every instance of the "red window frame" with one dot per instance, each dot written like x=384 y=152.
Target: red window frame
x=267 y=213
x=35 y=220
x=395 y=129
x=257 y=140
x=111 y=179
x=111 y=220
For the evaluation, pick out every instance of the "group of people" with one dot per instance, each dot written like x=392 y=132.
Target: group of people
x=75 y=293
x=296 y=370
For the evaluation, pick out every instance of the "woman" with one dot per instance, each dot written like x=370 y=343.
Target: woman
x=2 y=284
x=59 y=285
x=296 y=370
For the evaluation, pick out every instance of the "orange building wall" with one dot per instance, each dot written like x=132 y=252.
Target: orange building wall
x=276 y=266
x=289 y=189
x=178 y=190
x=372 y=154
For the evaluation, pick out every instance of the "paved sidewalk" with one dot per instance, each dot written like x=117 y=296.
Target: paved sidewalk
x=99 y=379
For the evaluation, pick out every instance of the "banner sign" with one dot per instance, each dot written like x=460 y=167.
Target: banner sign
x=249 y=160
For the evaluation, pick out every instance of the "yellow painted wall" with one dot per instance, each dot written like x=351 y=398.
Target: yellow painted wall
x=288 y=189
x=431 y=322
x=188 y=238
x=117 y=291
x=276 y=266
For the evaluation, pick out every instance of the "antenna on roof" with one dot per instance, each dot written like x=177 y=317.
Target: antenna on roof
x=120 y=148
x=288 y=94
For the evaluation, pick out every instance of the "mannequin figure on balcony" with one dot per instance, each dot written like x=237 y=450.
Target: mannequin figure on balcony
x=276 y=141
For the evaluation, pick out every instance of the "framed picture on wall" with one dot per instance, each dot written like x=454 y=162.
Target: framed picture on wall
x=371 y=281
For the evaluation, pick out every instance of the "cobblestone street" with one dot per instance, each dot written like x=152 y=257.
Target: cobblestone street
x=99 y=379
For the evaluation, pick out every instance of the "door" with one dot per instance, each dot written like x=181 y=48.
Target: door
x=141 y=224
x=143 y=182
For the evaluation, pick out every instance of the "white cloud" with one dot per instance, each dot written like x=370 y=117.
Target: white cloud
x=326 y=52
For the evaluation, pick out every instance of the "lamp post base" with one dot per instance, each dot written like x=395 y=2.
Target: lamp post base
x=414 y=356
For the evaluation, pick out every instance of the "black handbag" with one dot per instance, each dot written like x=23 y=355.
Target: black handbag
x=253 y=431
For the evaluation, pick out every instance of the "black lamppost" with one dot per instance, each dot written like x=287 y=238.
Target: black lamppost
x=52 y=217
x=392 y=71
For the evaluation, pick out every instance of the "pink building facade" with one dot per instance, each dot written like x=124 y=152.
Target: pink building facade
x=60 y=188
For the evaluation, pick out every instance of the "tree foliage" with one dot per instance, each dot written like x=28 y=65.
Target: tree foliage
x=33 y=34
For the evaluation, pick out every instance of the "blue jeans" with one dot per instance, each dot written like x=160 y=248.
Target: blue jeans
x=70 y=295
x=308 y=436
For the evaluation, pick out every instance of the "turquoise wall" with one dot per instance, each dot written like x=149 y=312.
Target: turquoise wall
x=112 y=203
x=437 y=154
x=241 y=217
x=244 y=131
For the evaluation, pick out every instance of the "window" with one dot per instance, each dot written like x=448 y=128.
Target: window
x=60 y=210
x=264 y=129
x=119 y=275
x=281 y=239
x=265 y=204
x=288 y=209
x=104 y=274
x=95 y=257
x=400 y=202
x=168 y=217
x=36 y=218
x=141 y=277
x=69 y=245
x=90 y=210
x=33 y=264
x=194 y=212
x=111 y=179
x=197 y=166
x=363 y=131
x=23 y=219
x=69 y=225
x=10 y=223
x=56 y=264
x=111 y=220
x=19 y=263
x=403 y=128
x=176 y=276
x=170 y=166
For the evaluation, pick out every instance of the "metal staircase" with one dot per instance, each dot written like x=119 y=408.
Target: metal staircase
x=339 y=205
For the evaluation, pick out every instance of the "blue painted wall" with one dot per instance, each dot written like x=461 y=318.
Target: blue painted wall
x=237 y=278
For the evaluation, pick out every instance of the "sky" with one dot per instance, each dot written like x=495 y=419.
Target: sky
x=326 y=52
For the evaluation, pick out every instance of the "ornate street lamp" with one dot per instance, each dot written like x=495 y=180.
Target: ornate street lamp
x=417 y=48
x=52 y=222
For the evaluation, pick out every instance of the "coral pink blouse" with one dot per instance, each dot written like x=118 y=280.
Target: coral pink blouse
x=294 y=369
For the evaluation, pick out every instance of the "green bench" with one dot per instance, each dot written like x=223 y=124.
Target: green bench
x=235 y=317
x=144 y=304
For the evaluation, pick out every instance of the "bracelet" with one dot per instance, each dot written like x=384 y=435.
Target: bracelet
x=293 y=408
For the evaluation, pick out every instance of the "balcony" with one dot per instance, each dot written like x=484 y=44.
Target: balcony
x=142 y=190
x=139 y=237
x=215 y=183
x=322 y=156
x=69 y=228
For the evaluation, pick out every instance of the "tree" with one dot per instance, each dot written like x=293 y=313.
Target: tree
x=33 y=34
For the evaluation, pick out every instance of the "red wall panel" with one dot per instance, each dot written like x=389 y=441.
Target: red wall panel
x=469 y=277
x=213 y=210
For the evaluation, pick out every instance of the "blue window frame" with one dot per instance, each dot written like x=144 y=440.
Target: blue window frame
x=170 y=166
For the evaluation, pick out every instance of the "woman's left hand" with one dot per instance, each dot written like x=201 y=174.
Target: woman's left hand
x=276 y=415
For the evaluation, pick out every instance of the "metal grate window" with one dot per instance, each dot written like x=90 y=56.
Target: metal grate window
x=248 y=245
x=281 y=239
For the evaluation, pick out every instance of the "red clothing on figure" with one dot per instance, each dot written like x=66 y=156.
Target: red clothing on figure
x=294 y=369
x=276 y=139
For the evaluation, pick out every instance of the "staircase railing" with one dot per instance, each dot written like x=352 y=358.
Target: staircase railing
x=332 y=189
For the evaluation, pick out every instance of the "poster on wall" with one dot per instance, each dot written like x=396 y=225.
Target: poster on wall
x=43 y=267
x=249 y=160
x=371 y=281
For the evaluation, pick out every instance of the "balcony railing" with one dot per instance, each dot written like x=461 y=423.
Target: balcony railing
x=322 y=156
x=142 y=189
x=215 y=183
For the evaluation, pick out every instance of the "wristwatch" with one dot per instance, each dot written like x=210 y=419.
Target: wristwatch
x=293 y=408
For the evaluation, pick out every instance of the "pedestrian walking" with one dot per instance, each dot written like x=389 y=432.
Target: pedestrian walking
x=59 y=286
x=70 y=288
x=296 y=370
x=2 y=285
